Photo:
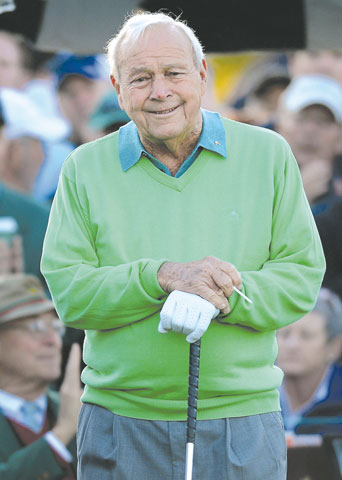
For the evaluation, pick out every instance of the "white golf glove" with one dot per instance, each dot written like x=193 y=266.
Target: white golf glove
x=186 y=313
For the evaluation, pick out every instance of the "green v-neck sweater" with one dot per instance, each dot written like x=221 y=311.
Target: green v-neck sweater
x=109 y=232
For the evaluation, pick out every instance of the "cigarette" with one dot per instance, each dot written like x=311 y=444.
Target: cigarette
x=242 y=295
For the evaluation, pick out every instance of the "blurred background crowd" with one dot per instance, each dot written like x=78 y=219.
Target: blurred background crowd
x=50 y=103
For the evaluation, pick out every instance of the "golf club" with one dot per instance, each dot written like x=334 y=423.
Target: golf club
x=194 y=362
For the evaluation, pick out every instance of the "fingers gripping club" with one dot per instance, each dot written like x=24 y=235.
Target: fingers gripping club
x=186 y=313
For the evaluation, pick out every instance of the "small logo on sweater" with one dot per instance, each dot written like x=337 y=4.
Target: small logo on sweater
x=233 y=216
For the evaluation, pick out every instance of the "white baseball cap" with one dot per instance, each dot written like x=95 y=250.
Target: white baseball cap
x=24 y=119
x=307 y=90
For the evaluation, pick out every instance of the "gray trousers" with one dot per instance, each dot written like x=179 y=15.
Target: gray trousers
x=121 y=448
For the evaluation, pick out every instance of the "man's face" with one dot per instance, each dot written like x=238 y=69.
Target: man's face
x=160 y=87
x=312 y=133
x=12 y=73
x=304 y=347
x=30 y=357
x=78 y=97
x=25 y=160
x=324 y=62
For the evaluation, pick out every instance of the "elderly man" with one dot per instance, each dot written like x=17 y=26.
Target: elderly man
x=179 y=200
x=37 y=440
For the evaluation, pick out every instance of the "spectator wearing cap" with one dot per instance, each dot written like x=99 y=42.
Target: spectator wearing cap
x=261 y=87
x=310 y=117
x=81 y=81
x=309 y=350
x=26 y=130
x=23 y=68
x=107 y=117
x=37 y=426
x=29 y=216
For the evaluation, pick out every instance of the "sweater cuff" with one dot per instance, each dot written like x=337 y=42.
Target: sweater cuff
x=233 y=301
x=149 y=278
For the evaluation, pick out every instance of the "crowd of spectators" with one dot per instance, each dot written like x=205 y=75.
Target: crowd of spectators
x=51 y=104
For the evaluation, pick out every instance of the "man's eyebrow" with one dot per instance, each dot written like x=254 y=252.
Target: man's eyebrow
x=137 y=70
x=169 y=66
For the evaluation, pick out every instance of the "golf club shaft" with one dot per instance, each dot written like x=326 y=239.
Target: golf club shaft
x=189 y=461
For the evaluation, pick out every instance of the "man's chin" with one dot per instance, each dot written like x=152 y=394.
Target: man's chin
x=50 y=376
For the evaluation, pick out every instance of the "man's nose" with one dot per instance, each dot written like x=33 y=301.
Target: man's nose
x=160 y=88
x=51 y=337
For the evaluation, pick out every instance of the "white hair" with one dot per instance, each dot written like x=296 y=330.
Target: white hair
x=136 y=25
x=329 y=305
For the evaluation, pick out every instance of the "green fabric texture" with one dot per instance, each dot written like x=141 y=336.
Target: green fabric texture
x=108 y=234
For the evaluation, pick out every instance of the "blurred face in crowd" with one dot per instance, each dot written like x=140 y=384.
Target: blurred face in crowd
x=312 y=133
x=325 y=62
x=12 y=73
x=29 y=154
x=79 y=96
x=304 y=347
x=30 y=352
x=160 y=87
x=20 y=162
x=3 y=149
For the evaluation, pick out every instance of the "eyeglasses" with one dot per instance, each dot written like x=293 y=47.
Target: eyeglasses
x=38 y=328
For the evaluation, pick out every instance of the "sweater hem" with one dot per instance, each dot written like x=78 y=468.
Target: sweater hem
x=128 y=405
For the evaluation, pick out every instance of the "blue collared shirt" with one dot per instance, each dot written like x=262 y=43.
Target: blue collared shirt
x=212 y=138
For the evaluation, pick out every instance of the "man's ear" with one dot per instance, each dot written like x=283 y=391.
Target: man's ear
x=335 y=349
x=116 y=85
x=203 y=75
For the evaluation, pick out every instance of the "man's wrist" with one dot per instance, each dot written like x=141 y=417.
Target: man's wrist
x=64 y=435
x=164 y=276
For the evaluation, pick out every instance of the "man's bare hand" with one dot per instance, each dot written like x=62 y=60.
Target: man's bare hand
x=70 y=395
x=210 y=278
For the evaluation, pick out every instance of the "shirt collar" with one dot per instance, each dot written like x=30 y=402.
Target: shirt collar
x=11 y=404
x=213 y=137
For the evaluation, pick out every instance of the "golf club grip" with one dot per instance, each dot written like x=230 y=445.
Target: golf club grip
x=194 y=363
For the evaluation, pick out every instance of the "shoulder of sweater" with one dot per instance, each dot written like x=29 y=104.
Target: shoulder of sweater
x=236 y=127
x=89 y=148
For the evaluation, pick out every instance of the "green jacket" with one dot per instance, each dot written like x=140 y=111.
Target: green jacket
x=33 y=462
x=109 y=232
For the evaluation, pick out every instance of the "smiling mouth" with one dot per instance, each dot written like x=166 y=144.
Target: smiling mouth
x=164 y=112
